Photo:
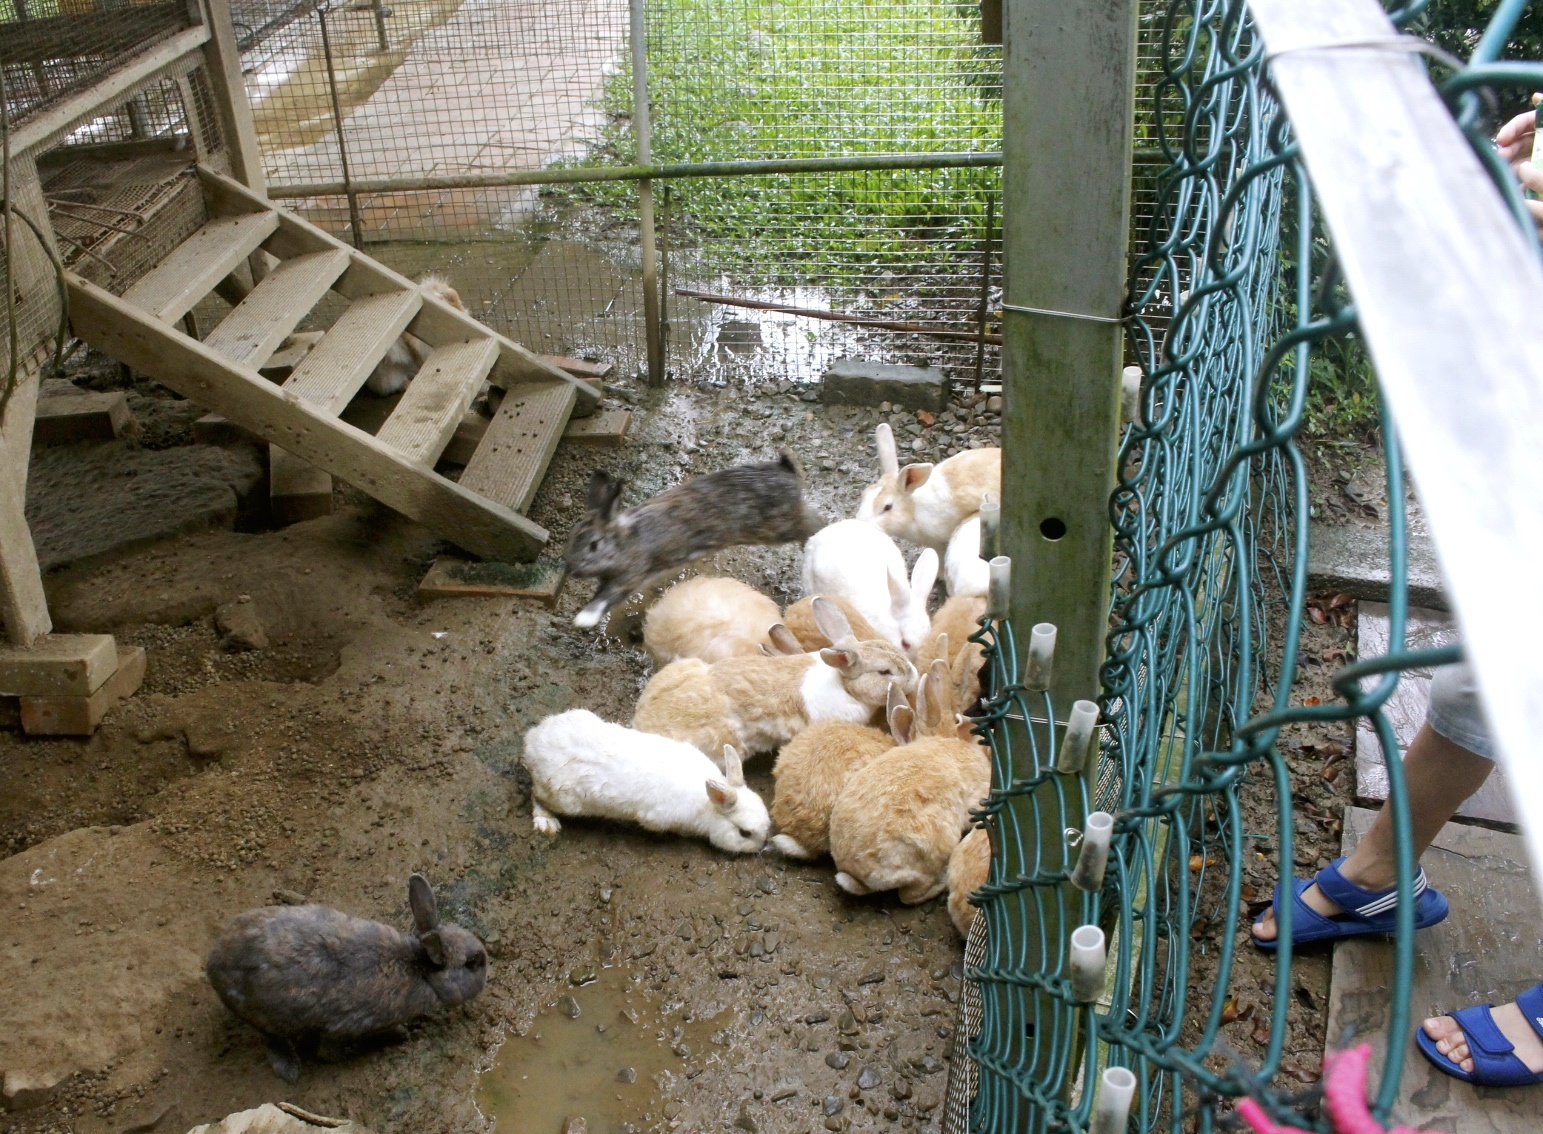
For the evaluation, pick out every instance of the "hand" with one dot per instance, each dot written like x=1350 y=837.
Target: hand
x=1531 y=177
x=1515 y=138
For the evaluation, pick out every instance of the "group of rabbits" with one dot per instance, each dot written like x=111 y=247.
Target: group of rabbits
x=859 y=691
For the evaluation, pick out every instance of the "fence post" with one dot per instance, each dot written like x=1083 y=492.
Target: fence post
x=642 y=128
x=223 y=60
x=1068 y=82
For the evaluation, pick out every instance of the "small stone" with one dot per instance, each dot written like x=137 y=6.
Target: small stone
x=874 y=977
x=575 y=1125
x=994 y=404
x=766 y=886
x=581 y=977
x=290 y=898
x=892 y=1112
x=926 y=418
x=833 y=1123
x=837 y=1060
x=239 y=626
x=832 y=1105
x=627 y=1075
x=757 y=1019
x=816 y=1017
x=569 y=1007
x=901 y=1089
x=927 y=1101
x=869 y=1079
x=605 y=894
x=847 y=1023
x=783 y=1093
x=746 y=1121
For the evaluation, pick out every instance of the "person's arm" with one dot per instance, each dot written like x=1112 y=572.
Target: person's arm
x=1515 y=141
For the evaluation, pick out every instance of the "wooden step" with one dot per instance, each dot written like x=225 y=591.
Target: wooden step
x=254 y=330
x=332 y=373
x=508 y=466
x=431 y=408
x=174 y=286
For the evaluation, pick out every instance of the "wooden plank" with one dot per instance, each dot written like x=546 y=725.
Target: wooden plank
x=518 y=446
x=296 y=491
x=173 y=287
x=58 y=665
x=237 y=392
x=436 y=324
x=1484 y=953
x=23 y=605
x=64 y=419
x=332 y=373
x=253 y=331
x=79 y=716
x=92 y=101
x=1447 y=290
x=228 y=86
x=464 y=441
x=608 y=427
x=290 y=353
x=579 y=367
x=450 y=577
x=431 y=407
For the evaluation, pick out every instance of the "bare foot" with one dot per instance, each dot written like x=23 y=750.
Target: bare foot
x=1453 y=1044
x=1312 y=896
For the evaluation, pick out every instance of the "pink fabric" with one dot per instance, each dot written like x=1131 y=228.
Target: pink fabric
x=1344 y=1098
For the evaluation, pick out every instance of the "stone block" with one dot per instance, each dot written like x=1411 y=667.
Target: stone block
x=79 y=716
x=1353 y=558
x=541 y=580
x=604 y=427
x=296 y=491
x=81 y=415
x=856 y=382
x=58 y=665
x=212 y=429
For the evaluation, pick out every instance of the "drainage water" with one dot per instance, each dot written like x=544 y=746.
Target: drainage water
x=611 y=1065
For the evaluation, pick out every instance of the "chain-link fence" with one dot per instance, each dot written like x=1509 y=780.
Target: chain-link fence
x=446 y=118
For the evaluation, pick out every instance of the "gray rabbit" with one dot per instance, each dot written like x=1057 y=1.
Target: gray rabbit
x=761 y=503
x=314 y=975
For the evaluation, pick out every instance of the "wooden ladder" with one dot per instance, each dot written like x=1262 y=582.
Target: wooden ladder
x=483 y=513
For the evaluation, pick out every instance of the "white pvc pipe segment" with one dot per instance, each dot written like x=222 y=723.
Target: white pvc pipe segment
x=1072 y=757
x=1093 y=857
x=1041 y=657
x=1087 y=961
x=999 y=593
x=1111 y=1106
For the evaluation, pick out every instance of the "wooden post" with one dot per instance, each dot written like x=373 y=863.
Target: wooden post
x=223 y=60
x=1069 y=73
x=642 y=130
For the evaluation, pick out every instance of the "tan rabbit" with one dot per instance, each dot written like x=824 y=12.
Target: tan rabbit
x=901 y=815
x=968 y=869
x=814 y=766
x=799 y=618
x=709 y=618
x=926 y=503
x=952 y=626
x=758 y=704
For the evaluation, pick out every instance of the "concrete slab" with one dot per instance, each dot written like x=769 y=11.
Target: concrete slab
x=858 y=382
x=1485 y=953
x=1406 y=709
x=1353 y=557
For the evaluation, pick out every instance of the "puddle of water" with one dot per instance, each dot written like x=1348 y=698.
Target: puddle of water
x=616 y=1079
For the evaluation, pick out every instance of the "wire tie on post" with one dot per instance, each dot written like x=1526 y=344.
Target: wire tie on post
x=1400 y=44
x=1062 y=314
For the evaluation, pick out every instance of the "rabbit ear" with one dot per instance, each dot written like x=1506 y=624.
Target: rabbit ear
x=434 y=946
x=420 y=896
x=923 y=702
x=832 y=623
x=889 y=457
x=899 y=590
x=604 y=492
x=940 y=693
x=941 y=645
x=901 y=718
x=924 y=574
x=733 y=768
x=722 y=795
x=913 y=477
x=837 y=658
x=784 y=640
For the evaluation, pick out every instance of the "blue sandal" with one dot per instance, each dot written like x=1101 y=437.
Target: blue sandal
x=1367 y=912
x=1494 y=1064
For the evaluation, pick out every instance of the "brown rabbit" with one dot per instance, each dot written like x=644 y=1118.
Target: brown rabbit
x=901 y=815
x=814 y=766
x=952 y=626
x=709 y=618
x=758 y=704
x=799 y=618
x=968 y=869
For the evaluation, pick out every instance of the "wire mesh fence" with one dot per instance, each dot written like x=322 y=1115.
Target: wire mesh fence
x=1233 y=291
x=489 y=91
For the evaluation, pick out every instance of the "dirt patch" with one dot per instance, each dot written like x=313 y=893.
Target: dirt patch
x=376 y=736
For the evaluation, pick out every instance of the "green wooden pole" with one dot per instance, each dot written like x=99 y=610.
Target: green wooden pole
x=1068 y=80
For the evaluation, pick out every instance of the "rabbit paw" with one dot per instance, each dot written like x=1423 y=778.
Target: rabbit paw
x=284 y=1059
x=849 y=884
x=788 y=845
x=590 y=616
x=543 y=822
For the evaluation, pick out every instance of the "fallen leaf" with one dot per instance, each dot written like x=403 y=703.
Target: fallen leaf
x=1341 y=600
x=1316 y=613
x=1229 y=1010
x=1330 y=772
x=1261 y=1034
x=1312 y=700
x=926 y=418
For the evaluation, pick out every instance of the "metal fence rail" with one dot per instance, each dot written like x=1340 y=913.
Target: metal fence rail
x=1235 y=284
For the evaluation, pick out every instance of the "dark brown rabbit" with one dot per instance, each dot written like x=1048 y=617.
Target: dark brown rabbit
x=745 y=504
x=313 y=975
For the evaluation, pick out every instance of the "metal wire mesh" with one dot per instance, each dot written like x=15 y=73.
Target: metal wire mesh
x=1233 y=288
x=491 y=87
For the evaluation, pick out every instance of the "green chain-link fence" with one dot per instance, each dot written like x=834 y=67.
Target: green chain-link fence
x=1234 y=287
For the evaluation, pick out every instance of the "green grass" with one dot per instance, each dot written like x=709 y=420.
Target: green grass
x=731 y=80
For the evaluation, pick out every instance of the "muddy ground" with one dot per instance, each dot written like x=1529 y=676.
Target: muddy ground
x=377 y=736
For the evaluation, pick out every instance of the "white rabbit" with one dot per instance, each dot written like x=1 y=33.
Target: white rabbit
x=964 y=570
x=582 y=765
x=853 y=559
x=710 y=618
x=925 y=503
x=408 y=354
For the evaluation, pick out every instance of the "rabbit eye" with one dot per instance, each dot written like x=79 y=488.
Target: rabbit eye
x=744 y=834
x=888 y=506
x=476 y=962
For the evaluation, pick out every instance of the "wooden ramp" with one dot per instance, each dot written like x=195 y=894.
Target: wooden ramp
x=484 y=512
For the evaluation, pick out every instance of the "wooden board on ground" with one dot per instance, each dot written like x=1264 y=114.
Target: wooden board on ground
x=296 y=491
x=81 y=415
x=604 y=427
x=58 y=665
x=578 y=367
x=1426 y=629
x=1484 y=953
x=450 y=576
x=79 y=716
